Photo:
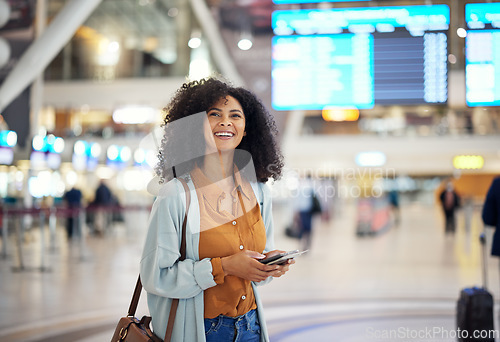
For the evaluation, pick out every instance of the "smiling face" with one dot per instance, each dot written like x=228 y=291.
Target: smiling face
x=227 y=123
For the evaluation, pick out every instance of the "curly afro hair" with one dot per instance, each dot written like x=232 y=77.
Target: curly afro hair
x=197 y=97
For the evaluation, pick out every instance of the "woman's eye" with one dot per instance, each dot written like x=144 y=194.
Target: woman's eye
x=213 y=114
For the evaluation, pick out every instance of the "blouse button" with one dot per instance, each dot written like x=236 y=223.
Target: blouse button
x=241 y=246
x=243 y=297
x=234 y=223
x=235 y=200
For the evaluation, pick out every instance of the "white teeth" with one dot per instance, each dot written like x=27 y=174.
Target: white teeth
x=224 y=134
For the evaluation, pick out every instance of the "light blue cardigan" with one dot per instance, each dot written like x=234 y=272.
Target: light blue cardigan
x=164 y=277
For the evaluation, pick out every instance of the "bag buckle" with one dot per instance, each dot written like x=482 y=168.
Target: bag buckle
x=123 y=333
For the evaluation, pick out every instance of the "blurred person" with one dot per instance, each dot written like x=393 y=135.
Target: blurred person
x=394 y=204
x=73 y=199
x=229 y=220
x=450 y=202
x=491 y=214
x=306 y=206
x=103 y=195
x=102 y=208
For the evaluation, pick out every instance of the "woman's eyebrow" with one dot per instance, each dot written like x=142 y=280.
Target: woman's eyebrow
x=220 y=110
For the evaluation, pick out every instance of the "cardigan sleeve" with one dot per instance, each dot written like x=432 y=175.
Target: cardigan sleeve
x=490 y=214
x=161 y=271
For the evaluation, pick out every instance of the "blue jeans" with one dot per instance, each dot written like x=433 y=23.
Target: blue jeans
x=244 y=328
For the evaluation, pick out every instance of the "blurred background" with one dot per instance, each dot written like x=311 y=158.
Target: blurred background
x=380 y=105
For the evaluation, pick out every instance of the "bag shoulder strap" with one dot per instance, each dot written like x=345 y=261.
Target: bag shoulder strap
x=135 y=298
x=175 y=302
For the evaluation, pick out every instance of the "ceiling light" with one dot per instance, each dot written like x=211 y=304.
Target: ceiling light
x=135 y=115
x=245 y=44
x=80 y=147
x=194 y=43
x=370 y=159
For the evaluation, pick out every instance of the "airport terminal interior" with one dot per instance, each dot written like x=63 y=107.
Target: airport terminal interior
x=380 y=106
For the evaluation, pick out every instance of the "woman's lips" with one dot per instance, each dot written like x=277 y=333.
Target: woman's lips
x=224 y=135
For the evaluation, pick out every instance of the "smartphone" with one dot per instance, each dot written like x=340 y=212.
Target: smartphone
x=281 y=258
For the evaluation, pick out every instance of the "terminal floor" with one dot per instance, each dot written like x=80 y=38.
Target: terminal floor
x=399 y=285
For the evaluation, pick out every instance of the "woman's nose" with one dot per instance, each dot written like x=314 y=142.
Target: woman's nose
x=225 y=122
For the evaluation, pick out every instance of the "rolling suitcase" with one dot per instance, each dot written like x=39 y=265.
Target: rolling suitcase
x=475 y=309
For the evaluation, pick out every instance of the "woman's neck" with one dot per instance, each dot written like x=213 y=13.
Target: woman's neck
x=218 y=166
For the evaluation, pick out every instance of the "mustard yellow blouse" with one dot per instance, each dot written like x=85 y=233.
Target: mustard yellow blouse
x=225 y=233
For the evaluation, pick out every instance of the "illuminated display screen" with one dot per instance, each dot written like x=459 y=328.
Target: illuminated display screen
x=279 y=2
x=312 y=70
x=359 y=57
x=482 y=54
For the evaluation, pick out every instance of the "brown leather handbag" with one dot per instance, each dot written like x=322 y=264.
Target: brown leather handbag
x=130 y=328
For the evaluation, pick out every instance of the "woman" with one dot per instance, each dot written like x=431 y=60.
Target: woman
x=229 y=223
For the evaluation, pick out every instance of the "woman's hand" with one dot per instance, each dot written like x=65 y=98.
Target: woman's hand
x=281 y=269
x=245 y=265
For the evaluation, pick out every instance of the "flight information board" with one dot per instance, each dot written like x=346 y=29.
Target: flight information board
x=312 y=70
x=482 y=54
x=359 y=57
